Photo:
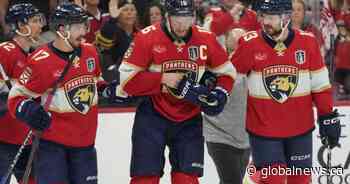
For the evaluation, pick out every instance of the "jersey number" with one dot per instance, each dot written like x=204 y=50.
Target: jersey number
x=8 y=46
x=250 y=35
x=148 y=29
x=40 y=55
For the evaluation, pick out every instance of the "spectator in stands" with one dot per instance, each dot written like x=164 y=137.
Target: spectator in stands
x=301 y=21
x=225 y=134
x=231 y=14
x=342 y=59
x=154 y=13
x=115 y=36
x=113 y=40
x=96 y=18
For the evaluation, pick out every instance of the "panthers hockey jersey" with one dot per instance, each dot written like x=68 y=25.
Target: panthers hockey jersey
x=154 y=52
x=283 y=83
x=220 y=21
x=74 y=105
x=13 y=61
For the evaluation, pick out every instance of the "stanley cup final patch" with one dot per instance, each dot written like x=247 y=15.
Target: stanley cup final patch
x=300 y=57
x=80 y=93
x=280 y=81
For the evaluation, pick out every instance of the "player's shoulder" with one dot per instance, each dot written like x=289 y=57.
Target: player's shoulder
x=89 y=47
x=8 y=47
x=150 y=31
x=305 y=37
x=40 y=55
x=202 y=32
x=249 y=37
x=215 y=9
x=304 y=34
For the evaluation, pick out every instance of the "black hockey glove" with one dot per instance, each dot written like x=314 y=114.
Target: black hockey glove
x=110 y=92
x=214 y=103
x=191 y=91
x=3 y=104
x=34 y=115
x=208 y=79
x=329 y=128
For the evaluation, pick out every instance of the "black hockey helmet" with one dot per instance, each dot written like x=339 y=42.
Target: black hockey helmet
x=67 y=14
x=20 y=13
x=273 y=6
x=179 y=7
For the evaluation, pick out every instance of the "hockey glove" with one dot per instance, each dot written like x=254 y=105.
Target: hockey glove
x=3 y=104
x=110 y=92
x=208 y=79
x=214 y=103
x=191 y=91
x=34 y=115
x=329 y=128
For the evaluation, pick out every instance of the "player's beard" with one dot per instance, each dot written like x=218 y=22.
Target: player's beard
x=273 y=32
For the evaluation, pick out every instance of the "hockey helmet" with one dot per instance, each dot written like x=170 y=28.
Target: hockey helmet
x=273 y=6
x=67 y=14
x=179 y=7
x=21 y=12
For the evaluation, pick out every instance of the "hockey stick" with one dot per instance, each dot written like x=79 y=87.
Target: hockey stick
x=15 y=160
x=329 y=164
x=3 y=106
x=36 y=141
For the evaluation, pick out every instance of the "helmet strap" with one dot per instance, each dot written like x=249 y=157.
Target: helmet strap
x=65 y=38
x=27 y=34
x=284 y=29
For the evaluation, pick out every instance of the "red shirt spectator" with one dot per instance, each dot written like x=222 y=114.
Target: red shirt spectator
x=96 y=23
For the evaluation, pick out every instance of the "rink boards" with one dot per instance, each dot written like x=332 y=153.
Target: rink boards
x=114 y=149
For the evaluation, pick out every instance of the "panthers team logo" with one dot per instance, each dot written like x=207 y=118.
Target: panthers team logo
x=80 y=93
x=188 y=68
x=280 y=81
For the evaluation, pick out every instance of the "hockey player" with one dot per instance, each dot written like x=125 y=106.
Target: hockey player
x=231 y=14
x=225 y=134
x=164 y=62
x=25 y=22
x=66 y=153
x=286 y=76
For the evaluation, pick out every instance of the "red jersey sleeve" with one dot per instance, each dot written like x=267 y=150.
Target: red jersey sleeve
x=241 y=57
x=135 y=78
x=320 y=85
x=220 y=22
x=32 y=82
x=219 y=64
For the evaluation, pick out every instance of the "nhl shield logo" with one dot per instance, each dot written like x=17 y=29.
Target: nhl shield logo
x=193 y=53
x=300 y=57
x=90 y=64
x=80 y=93
x=280 y=81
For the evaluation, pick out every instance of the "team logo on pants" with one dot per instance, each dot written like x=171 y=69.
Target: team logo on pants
x=280 y=81
x=80 y=93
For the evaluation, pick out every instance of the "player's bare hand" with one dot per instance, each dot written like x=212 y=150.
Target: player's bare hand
x=172 y=79
x=236 y=11
x=114 y=10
